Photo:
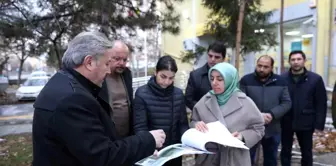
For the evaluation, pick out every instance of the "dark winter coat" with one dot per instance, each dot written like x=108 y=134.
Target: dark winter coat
x=309 y=102
x=72 y=126
x=158 y=108
x=198 y=86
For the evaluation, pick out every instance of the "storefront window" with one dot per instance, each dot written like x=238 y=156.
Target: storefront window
x=298 y=35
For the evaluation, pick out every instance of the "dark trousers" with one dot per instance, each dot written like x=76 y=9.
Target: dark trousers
x=174 y=162
x=270 y=150
x=305 y=139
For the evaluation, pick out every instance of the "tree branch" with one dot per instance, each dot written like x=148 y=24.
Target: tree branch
x=27 y=19
x=58 y=16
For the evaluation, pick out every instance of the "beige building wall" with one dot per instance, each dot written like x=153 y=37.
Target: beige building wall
x=173 y=44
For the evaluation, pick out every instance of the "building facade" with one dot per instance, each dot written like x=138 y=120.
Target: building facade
x=309 y=25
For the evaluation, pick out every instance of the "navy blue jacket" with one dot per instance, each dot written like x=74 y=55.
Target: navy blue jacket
x=271 y=97
x=309 y=102
x=158 y=108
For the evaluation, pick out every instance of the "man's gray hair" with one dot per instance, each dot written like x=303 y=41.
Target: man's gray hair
x=84 y=44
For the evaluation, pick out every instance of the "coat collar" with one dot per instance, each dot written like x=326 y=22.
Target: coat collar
x=304 y=74
x=157 y=90
x=205 y=69
x=231 y=106
x=89 y=85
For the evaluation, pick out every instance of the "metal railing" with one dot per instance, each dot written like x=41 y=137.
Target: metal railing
x=139 y=81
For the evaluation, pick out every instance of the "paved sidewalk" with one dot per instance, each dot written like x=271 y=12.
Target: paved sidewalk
x=15 y=129
x=16 y=114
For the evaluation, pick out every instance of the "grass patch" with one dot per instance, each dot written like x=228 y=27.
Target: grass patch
x=16 y=150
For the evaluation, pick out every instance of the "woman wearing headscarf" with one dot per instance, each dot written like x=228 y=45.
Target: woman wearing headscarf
x=227 y=104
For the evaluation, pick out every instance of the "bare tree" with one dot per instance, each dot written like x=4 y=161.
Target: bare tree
x=24 y=49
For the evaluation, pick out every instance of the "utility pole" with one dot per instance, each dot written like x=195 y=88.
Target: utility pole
x=282 y=66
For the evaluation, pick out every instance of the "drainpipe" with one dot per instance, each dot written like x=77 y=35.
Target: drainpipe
x=193 y=22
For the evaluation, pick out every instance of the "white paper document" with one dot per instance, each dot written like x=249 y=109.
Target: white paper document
x=196 y=142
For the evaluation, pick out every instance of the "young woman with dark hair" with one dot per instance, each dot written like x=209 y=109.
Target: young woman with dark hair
x=160 y=105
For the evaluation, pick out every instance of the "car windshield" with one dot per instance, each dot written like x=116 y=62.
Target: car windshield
x=39 y=75
x=35 y=82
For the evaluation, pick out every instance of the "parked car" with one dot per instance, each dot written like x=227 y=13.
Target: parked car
x=31 y=88
x=40 y=74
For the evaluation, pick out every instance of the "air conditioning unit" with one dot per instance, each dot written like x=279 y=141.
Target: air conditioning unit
x=188 y=44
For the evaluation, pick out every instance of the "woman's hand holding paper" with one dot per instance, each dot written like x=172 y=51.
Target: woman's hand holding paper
x=201 y=126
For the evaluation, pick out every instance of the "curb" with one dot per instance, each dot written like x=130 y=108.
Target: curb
x=16 y=122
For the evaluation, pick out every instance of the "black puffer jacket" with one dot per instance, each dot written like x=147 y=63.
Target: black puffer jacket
x=158 y=108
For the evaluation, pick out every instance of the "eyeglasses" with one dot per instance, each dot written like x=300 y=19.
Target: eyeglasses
x=118 y=59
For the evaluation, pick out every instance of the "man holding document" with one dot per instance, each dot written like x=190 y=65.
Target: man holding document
x=72 y=124
x=232 y=108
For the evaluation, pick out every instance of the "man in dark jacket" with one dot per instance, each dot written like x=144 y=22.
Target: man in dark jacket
x=308 y=112
x=198 y=82
x=270 y=93
x=117 y=90
x=72 y=124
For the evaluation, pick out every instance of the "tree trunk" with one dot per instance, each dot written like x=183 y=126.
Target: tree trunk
x=239 y=31
x=57 y=53
x=3 y=63
x=20 y=71
x=104 y=18
x=22 y=59
x=282 y=59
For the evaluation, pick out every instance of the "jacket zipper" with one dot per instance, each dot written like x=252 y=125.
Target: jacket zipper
x=128 y=98
x=172 y=120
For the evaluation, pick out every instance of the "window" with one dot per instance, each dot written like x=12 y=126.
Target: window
x=35 y=82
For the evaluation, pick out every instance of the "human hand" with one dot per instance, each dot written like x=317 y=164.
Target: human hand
x=237 y=135
x=201 y=126
x=159 y=136
x=267 y=117
x=155 y=154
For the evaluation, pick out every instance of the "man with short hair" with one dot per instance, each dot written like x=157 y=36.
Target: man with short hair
x=117 y=89
x=72 y=124
x=308 y=112
x=198 y=82
x=270 y=93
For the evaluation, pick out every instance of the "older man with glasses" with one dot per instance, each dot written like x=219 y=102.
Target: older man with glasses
x=117 y=89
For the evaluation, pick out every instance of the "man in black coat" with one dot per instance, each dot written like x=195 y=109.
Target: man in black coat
x=72 y=124
x=308 y=112
x=198 y=82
